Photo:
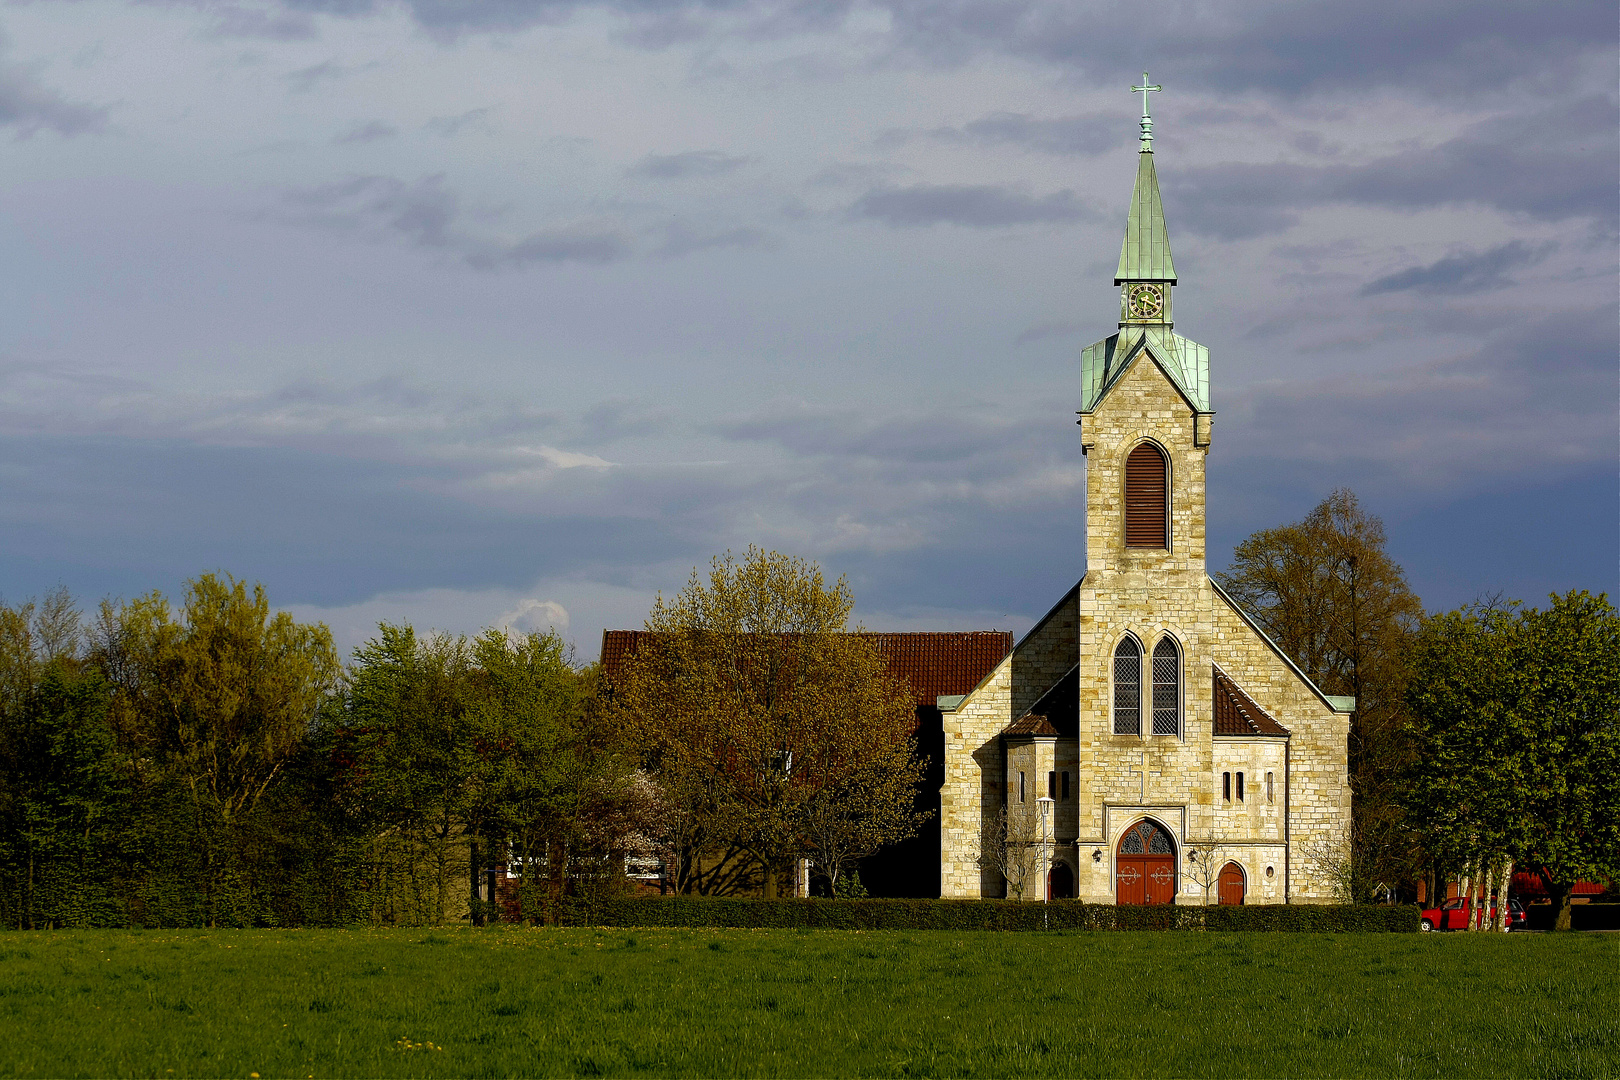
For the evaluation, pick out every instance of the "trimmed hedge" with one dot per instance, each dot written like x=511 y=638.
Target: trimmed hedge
x=695 y=911
x=1581 y=916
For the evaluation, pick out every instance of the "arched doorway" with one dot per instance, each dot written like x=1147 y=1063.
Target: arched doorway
x=1230 y=884
x=1060 y=883
x=1145 y=868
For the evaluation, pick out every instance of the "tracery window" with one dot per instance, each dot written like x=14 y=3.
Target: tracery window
x=1147 y=497
x=1166 y=688
x=1146 y=838
x=1128 y=688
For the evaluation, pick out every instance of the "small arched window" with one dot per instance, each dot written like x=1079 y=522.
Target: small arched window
x=1166 y=688
x=1147 y=502
x=1128 y=688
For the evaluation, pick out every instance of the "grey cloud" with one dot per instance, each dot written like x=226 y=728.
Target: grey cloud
x=236 y=21
x=428 y=214
x=975 y=206
x=1462 y=273
x=1451 y=48
x=306 y=79
x=690 y=163
x=28 y=108
x=679 y=240
x=1445 y=47
x=368 y=131
x=453 y=125
x=1091 y=134
x=422 y=212
x=1553 y=164
x=919 y=440
x=556 y=246
x=1534 y=400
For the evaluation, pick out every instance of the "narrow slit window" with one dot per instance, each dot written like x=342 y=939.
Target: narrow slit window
x=1226 y=787
x=1166 y=688
x=1021 y=787
x=1128 y=688
x=1268 y=788
x=1147 y=489
x=1240 y=787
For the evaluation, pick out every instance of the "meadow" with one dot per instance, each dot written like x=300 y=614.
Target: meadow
x=580 y=1002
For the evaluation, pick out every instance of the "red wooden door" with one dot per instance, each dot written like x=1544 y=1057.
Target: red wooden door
x=1230 y=884
x=1145 y=868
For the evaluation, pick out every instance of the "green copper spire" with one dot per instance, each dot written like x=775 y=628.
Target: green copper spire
x=1145 y=255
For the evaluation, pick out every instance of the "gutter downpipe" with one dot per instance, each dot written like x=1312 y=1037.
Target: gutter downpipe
x=1288 y=838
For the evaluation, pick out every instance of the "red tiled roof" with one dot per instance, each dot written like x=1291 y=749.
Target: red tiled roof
x=934 y=664
x=1236 y=713
x=1528 y=883
x=1030 y=724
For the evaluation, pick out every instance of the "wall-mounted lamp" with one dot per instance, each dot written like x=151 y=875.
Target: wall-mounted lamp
x=1096 y=854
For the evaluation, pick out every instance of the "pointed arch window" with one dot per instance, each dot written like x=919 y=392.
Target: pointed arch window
x=1166 y=688
x=1147 y=498
x=1128 y=688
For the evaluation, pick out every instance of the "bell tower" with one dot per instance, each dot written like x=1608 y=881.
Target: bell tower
x=1145 y=417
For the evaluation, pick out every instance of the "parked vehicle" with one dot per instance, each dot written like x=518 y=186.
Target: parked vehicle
x=1455 y=915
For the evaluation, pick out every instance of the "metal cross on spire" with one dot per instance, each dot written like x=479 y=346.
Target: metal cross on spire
x=1147 y=117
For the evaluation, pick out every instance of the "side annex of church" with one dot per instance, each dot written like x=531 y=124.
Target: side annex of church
x=1145 y=742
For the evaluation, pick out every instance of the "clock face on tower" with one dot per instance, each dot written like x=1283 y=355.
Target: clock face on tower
x=1144 y=301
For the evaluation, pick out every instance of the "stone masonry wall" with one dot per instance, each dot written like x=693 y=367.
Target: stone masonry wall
x=972 y=792
x=1318 y=750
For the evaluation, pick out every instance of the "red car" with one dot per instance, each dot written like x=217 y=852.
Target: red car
x=1455 y=914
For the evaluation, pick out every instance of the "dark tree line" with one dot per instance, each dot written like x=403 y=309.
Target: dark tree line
x=215 y=764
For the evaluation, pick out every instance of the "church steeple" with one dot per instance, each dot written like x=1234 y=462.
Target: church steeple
x=1145 y=255
x=1146 y=269
x=1148 y=277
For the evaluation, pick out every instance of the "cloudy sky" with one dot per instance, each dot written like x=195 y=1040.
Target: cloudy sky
x=512 y=311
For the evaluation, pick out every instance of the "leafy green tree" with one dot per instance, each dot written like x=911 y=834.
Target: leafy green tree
x=773 y=733
x=1517 y=724
x=1328 y=593
x=413 y=764
x=544 y=780
x=218 y=701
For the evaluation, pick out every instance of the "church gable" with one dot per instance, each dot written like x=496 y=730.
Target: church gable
x=1184 y=362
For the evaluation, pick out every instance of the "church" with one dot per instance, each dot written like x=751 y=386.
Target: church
x=1145 y=742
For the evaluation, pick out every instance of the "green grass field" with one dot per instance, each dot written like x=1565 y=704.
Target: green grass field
x=550 y=1002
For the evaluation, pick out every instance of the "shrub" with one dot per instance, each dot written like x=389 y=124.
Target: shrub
x=888 y=914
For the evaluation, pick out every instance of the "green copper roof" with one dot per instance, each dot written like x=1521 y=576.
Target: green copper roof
x=1145 y=255
x=1186 y=362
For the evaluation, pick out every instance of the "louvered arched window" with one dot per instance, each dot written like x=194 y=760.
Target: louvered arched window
x=1128 y=688
x=1147 y=498
x=1166 y=688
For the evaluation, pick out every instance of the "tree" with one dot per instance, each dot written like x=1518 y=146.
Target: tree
x=1325 y=590
x=413 y=764
x=773 y=733
x=1010 y=846
x=221 y=698
x=64 y=784
x=1516 y=719
x=1204 y=867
